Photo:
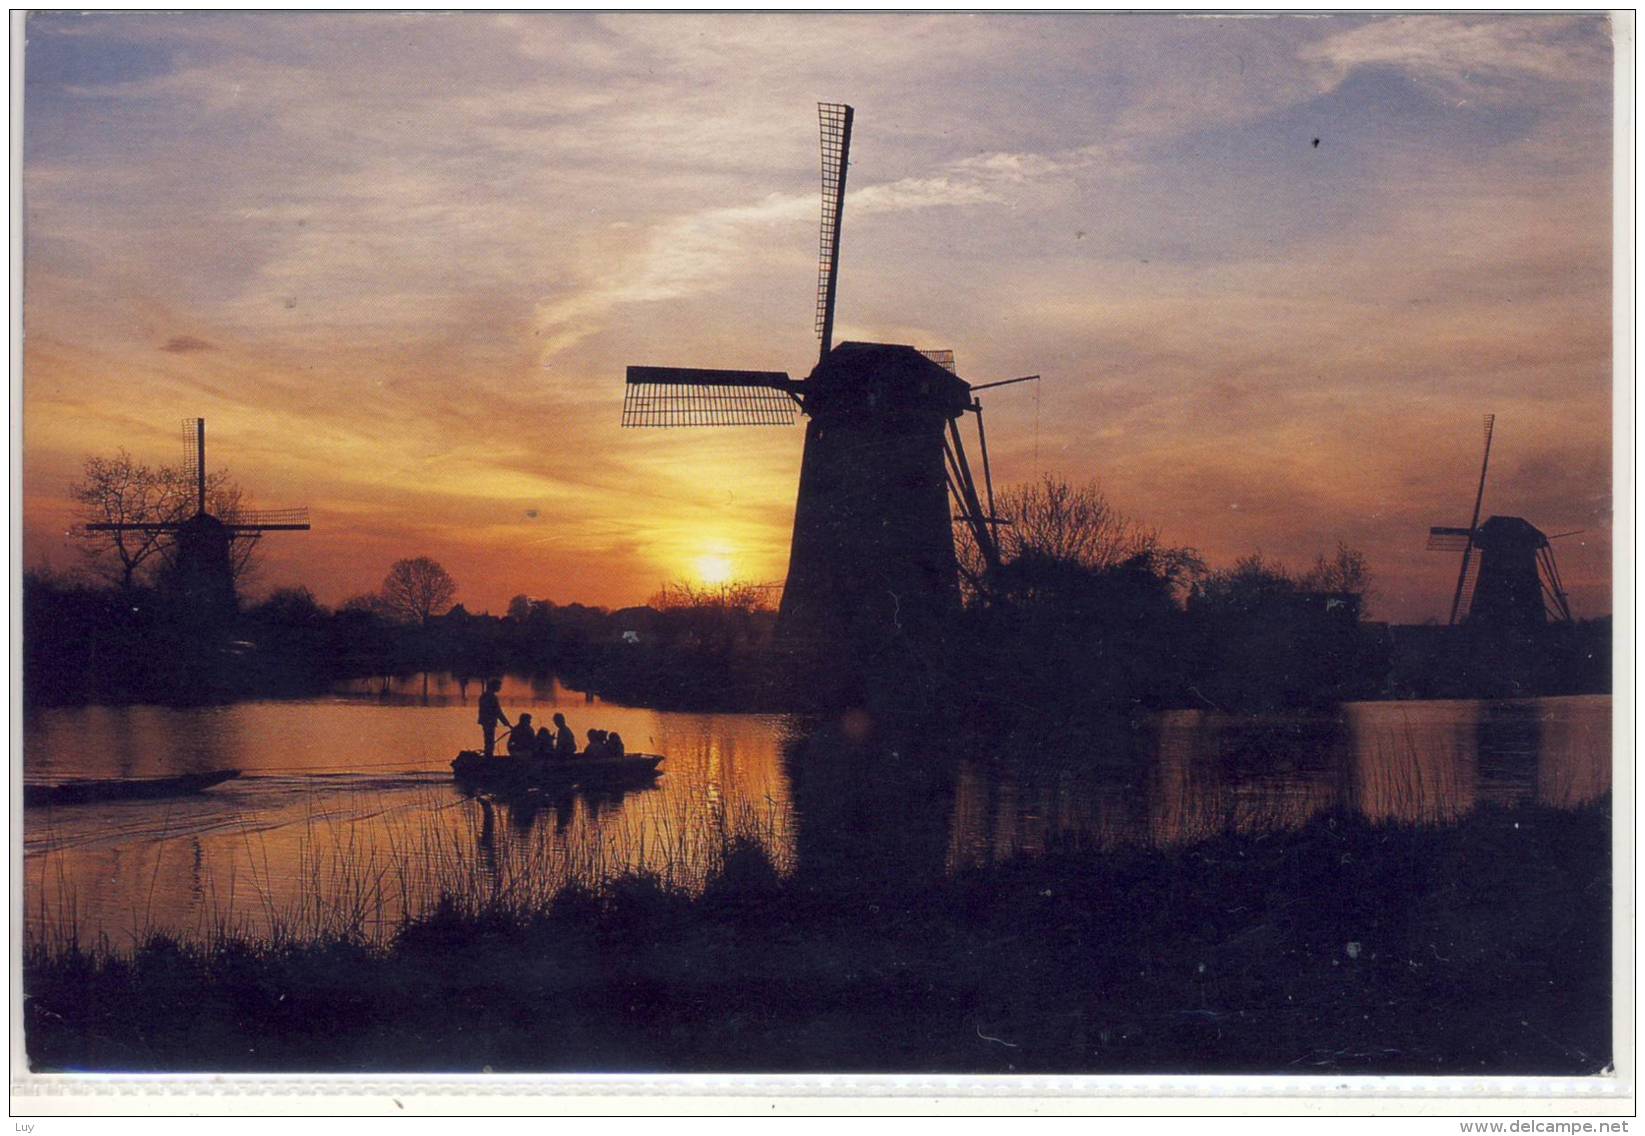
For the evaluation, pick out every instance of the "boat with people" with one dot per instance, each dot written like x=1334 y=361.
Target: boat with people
x=518 y=774
x=124 y=788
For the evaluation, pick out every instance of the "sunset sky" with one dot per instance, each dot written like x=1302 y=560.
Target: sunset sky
x=399 y=264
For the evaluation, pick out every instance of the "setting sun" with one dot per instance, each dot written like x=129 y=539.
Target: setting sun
x=714 y=569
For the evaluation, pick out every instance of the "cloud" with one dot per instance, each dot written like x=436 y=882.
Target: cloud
x=184 y=344
x=711 y=250
x=1471 y=57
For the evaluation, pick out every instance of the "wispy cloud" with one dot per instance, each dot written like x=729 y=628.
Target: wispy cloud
x=183 y=344
x=1478 y=57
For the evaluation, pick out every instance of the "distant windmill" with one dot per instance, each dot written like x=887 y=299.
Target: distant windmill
x=873 y=543
x=1514 y=581
x=201 y=560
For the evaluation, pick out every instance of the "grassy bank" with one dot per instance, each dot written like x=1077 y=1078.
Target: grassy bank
x=1481 y=947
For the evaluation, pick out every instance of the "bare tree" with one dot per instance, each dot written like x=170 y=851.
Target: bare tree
x=718 y=617
x=1075 y=523
x=735 y=595
x=120 y=490
x=1055 y=521
x=417 y=589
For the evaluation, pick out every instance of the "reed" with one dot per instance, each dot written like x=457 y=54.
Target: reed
x=351 y=882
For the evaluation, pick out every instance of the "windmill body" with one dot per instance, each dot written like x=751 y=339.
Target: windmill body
x=872 y=556
x=1509 y=590
x=873 y=543
x=202 y=571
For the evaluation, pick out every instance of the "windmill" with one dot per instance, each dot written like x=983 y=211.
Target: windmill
x=201 y=559
x=1514 y=581
x=873 y=541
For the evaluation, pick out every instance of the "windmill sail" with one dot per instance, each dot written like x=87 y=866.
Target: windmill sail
x=1469 y=582
x=1473 y=525
x=695 y=396
x=194 y=461
x=835 y=120
x=267 y=520
x=1443 y=538
x=942 y=357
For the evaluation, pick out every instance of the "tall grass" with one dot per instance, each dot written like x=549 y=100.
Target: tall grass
x=362 y=883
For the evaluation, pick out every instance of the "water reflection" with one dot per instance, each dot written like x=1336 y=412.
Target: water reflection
x=1203 y=773
x=347 y=810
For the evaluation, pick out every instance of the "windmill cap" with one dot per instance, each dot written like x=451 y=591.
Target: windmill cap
x=1507 y=532
x=884 y=378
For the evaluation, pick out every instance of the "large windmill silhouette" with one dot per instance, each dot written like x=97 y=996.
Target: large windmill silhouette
x=873 y=544
x=1514 y=580
x=201 y=559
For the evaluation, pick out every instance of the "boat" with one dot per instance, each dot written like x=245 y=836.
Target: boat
x=473 y=770
x=124 y=788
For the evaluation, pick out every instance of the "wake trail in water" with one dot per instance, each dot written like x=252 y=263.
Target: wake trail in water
x=249 y=804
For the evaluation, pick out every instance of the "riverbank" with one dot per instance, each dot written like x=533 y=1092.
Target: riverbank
x=1481 y=947
x=84 y=645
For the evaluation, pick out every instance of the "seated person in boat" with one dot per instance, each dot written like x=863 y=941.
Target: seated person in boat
x=596 y=744
x=522 y=739
x=545 y=742
x=565 y=742
x=614 y=744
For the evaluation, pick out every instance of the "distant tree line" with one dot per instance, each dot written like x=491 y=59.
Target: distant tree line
x=88 y=638
x=1087 y=609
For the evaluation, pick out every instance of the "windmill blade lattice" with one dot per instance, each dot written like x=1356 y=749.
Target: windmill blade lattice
x=293 y=520
x=1446 y=539
x=690 y=396
x=835 y=121
x=942 y=357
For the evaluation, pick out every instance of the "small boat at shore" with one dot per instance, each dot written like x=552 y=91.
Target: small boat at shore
x=520 y=774
x=124 y=788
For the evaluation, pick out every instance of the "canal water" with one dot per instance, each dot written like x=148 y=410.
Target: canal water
x=345 y=818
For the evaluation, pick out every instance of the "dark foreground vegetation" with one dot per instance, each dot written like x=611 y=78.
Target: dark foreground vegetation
x=1479 y=947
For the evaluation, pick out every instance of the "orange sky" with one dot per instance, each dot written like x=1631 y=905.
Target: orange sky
x=400 y=262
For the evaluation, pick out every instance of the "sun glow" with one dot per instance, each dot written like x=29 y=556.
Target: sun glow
x=714 y=569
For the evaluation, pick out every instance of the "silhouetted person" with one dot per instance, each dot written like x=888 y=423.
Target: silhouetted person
x=565 y=742
x=545 y=742
x=596 y=744
x=614 y=745
x=491 y=712
x=522 y=739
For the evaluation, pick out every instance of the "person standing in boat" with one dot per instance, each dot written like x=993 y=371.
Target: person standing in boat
x=491 y=712
x=565 y=742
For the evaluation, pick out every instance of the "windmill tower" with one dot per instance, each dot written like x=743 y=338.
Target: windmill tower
x=202 y=558
x=1514 y=581
x=873 y=544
